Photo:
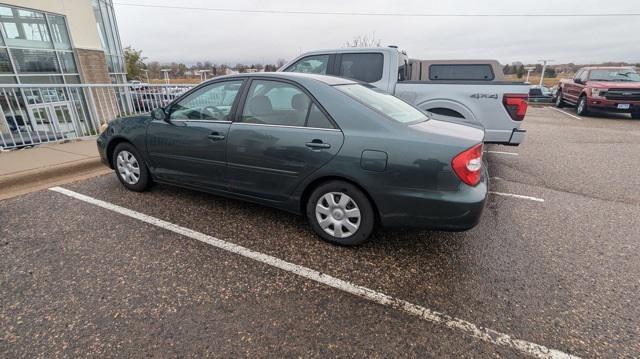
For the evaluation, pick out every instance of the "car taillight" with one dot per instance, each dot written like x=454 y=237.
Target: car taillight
x=516 y=105
x=468 y=165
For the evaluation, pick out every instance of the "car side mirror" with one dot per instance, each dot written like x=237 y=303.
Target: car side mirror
x=578 y=81
x=159 y=114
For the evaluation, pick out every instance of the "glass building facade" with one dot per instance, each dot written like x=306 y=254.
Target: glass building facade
x=110 y=39
x=35 y=48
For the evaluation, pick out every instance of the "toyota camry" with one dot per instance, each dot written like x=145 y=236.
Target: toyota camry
x=344 y=155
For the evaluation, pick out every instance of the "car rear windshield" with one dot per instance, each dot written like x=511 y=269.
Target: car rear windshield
x=388 y=105
x=615 y=75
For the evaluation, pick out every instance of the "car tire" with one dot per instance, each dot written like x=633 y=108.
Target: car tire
x=130 y=167
x=635 y=115
x=582 y=109
x=340 y=213
x=559 y=101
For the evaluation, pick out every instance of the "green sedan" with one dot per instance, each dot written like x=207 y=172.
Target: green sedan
x=342 y=154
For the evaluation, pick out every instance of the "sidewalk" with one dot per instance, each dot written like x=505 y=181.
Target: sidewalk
x=46 y=165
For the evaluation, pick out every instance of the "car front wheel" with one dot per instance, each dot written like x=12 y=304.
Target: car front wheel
x=582 y=108
x=340 y=213
x=130 y=167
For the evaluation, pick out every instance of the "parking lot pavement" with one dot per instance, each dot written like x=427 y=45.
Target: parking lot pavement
x=562 y=272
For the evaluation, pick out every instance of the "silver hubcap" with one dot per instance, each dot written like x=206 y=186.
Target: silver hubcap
x=338 y=214
x=128 y=167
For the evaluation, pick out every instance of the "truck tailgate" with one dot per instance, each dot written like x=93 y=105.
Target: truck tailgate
x=471 y=100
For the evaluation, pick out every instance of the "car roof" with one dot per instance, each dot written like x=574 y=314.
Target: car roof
x=329 y=80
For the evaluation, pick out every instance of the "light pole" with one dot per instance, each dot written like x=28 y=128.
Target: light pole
x=166 y=75
x=544 y=68
x=146 y=73
x=205 y=72
x=529 y=69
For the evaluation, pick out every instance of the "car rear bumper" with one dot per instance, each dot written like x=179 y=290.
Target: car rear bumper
x=612 y=105
x=439 y=210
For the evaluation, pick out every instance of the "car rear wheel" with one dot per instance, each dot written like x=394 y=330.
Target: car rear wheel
x=559 y=100
x=130 y=167
x=582 y=109
x=340 y=213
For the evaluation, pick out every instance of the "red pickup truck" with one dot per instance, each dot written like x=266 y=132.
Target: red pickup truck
x=606 y=88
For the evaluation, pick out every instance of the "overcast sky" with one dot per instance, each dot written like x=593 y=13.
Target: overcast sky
x=188 y=36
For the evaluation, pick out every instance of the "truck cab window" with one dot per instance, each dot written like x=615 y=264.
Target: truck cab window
x=366 y=67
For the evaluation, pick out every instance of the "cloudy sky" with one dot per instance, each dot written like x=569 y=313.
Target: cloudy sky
x=187 y=35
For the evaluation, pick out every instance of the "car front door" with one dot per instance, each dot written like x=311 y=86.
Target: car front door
x=576 y=88
x=279 y=137
x=190 y=148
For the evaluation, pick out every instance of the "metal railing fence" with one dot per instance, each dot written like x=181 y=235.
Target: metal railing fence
x=35 y=114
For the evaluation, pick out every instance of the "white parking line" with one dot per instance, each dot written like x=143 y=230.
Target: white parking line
x=503 y=153
x=566 y=113
x=517 y=195
x=485 y=334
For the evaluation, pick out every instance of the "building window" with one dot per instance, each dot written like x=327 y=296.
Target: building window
x=110 y=39
x=35 y=46
x=35 y=61
x=59 y=32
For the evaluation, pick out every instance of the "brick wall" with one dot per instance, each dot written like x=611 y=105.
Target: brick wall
x=93 y=70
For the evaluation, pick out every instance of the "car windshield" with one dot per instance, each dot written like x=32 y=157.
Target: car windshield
x=389 y=105
x=615 y=75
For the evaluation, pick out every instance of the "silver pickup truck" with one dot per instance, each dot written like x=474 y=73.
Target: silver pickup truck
x=470 y=90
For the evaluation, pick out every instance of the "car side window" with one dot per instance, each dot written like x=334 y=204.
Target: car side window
x=316 y=64
x=212 y=102
x=362 y=66
x=279 y=103
x=317 y=119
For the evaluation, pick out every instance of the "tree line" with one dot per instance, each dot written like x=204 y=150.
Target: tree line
x=138 y=68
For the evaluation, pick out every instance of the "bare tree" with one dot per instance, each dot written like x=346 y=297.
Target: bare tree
x=280 y=63
x=364 y=41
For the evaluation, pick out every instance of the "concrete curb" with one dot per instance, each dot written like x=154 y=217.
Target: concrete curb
x=25 y=179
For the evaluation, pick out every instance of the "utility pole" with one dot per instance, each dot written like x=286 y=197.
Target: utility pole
x=544 y=68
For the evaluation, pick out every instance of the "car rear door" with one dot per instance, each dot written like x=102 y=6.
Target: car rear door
x=190 y=148
x=279 y=137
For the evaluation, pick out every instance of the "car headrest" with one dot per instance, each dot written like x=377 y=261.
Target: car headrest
x=260 y=105
x=300 y=102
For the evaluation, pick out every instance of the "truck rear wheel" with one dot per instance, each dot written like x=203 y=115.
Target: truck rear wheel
x=559 y=100
x=582 y=109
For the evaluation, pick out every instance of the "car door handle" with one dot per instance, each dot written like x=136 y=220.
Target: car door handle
x=215 y=136
x=317 y=144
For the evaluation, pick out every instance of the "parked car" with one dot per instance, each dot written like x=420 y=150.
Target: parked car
x=138 y=85
x=614 y=89
x=472 y=90
x=540 y=94
x=339 y=152
x=147 y=101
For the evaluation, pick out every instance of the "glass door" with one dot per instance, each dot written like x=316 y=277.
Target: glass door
x=53 y=121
